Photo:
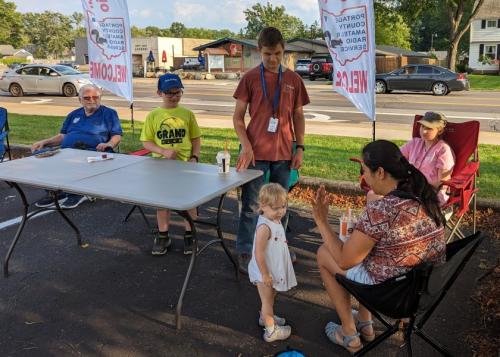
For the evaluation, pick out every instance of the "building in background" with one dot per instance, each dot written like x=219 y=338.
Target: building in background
x=150 y=54
x=239 y=55
x=7 y=51
x=484 y=49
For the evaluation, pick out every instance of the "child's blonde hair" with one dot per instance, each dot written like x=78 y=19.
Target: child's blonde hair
x=272 y=194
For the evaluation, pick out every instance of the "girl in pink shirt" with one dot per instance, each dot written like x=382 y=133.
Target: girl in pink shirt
x=430 y=154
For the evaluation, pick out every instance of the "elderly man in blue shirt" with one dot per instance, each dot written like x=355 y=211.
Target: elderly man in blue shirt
x=91 y=127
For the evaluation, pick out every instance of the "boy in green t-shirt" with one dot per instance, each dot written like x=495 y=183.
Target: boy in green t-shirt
x=171 y=132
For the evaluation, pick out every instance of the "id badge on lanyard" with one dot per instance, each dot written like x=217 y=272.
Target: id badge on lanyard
x=273 y=121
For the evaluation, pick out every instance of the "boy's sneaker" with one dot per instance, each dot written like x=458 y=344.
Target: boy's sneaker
x=48 y=200
x=279 y=333
x=73 y=201
x=161 y=243
x=188 y=243
x=280 y=321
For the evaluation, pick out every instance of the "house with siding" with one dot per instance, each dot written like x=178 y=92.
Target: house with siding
x=484 y=50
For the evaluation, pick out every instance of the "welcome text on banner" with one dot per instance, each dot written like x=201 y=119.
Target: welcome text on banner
x=109 y=48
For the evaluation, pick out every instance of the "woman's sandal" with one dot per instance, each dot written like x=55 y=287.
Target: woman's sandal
x=333 y=331
x=360 y=325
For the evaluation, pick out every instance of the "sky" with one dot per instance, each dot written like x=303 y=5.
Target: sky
x=213 y=14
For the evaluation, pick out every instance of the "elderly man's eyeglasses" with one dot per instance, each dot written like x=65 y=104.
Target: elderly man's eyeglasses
x=173 y=94
x=94 y=97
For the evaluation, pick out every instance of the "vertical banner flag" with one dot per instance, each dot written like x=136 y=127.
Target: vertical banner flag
x=109 y=49
x=349 y=31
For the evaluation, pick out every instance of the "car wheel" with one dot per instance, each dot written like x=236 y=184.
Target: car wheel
x=69 y=90
x=311 y=78
x=439 y=88
x=380 y=87
x=16 y=90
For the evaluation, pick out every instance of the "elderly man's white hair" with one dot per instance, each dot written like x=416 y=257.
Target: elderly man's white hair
x=89 y=86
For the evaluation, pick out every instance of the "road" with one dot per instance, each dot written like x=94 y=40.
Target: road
x=328 y=113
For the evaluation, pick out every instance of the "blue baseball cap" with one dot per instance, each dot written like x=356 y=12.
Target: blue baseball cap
x=169 y=81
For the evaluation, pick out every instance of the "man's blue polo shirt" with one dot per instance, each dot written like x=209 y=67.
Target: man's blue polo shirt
x=86 y=132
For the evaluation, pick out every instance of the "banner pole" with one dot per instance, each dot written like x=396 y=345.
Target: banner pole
x=132 y=117
x=373 y=130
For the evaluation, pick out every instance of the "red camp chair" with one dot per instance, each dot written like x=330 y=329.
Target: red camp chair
x=463 y=139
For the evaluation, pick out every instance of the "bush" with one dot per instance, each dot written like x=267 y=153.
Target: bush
x=8 y=61
x=463 y=68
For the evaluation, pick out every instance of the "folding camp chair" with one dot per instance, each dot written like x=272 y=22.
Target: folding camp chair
x=4 y=135
x=463 y=139
x=414 y=295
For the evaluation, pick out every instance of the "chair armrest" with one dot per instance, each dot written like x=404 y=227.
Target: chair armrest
x=462 y=178
x=142 y=152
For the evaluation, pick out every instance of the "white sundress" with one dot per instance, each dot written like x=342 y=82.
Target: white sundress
x=277 y=258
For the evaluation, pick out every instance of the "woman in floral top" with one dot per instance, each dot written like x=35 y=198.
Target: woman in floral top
x=393 y=234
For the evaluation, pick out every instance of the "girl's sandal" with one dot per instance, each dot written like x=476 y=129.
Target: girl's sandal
x=360 y=325
x=334 y=332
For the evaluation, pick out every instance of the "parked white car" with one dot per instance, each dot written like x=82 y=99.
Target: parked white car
x=45 y=79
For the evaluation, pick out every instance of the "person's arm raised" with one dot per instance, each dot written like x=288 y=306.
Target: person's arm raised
x=346 y=254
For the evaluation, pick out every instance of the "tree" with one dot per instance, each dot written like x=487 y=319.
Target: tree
x=137 y=32
x=459 y=15
x=11 y=25
x=177 y=29
x=79 y=28
x=390 y=27
x=48 y=31
x=260 y=16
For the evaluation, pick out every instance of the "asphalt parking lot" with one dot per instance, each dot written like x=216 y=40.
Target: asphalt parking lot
x=114 y=299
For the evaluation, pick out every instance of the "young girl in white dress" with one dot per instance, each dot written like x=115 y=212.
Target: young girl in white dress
x=271 y=267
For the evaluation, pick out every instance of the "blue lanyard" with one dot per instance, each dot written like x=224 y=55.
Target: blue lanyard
x=277 y=92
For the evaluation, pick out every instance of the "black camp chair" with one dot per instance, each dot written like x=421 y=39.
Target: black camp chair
x=414 y=295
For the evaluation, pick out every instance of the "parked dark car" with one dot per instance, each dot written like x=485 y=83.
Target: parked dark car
x=321 y=66
x=302 y=67
x=421 y=78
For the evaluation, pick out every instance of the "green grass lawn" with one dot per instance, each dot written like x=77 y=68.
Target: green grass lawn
x=484 y=81
x=325 y=156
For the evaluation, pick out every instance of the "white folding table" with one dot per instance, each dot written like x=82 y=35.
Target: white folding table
x=175 y=185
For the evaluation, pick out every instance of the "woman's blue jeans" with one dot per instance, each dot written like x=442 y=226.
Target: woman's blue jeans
x=279 y=172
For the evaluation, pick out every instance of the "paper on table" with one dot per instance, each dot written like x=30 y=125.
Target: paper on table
x=101 y=157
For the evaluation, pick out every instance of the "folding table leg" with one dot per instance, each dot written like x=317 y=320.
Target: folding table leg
x=19 y=229
x=178 y=312
x=63 y=215
x=27 y=216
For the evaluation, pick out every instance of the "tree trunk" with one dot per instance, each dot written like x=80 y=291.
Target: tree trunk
x=452 y=54
x=455 y=13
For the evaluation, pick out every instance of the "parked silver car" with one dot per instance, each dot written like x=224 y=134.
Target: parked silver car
x=46 y=79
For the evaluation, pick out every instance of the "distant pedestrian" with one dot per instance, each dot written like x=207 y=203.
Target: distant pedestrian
x=171 y=132
x=275 y=97
x=270 y=267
